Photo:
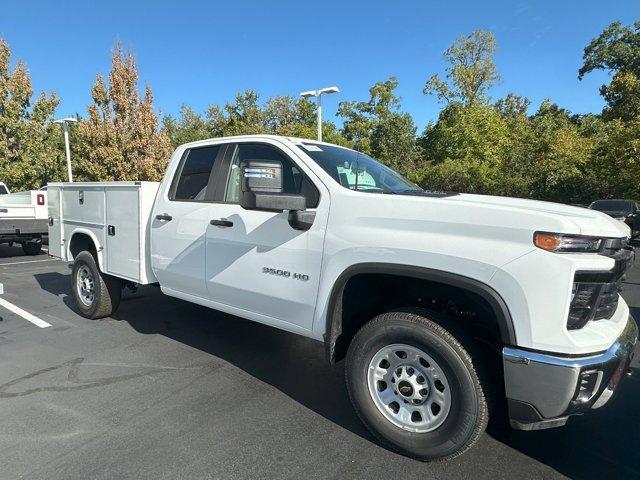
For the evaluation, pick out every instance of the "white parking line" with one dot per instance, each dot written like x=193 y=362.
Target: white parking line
x=29 y=261
x=24 y=314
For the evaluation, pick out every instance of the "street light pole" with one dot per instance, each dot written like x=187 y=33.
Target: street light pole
x=318 y=94
x=67 y=148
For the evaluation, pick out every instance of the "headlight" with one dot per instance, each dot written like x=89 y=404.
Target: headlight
x=561 y=243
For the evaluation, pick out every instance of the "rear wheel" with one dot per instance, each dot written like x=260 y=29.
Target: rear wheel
x=33 y=247
x=415 y=385
x=96 y=294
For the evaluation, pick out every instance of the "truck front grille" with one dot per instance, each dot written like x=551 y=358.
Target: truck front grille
x=595 y=294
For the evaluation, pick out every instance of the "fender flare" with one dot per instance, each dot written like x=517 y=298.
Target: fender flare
x=94 y=239
x=333 y=328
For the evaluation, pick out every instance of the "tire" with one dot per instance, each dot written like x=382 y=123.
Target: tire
x=100 y=296
x=426 y=339
x=33 y=247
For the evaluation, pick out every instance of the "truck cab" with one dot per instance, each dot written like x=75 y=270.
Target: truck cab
x=437 y=301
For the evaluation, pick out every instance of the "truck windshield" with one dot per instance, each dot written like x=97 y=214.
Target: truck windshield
x=3 y=190
x=357 y=171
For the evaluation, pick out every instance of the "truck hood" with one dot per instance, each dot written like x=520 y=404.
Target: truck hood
x=588 y=222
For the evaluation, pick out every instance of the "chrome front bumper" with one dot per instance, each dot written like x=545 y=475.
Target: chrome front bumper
x=543 y=390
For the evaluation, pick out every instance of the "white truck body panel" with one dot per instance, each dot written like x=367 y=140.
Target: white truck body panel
x=482 y=238
x=115 y=215
x=222 y=268
x=31 y=204
x=343 y=255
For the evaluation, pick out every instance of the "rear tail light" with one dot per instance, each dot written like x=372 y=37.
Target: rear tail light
x=40 y=199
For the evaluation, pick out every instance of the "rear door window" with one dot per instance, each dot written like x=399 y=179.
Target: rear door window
x=192 y=179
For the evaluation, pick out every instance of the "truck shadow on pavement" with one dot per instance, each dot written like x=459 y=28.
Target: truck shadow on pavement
x=16 y=251
x=294 y=365
x=602 y=445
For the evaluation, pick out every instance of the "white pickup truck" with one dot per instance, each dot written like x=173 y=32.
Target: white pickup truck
x=23 y=219
x=437 y=300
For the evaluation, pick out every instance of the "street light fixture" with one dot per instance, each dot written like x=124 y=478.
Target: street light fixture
x=64 y=122
x=318 y=94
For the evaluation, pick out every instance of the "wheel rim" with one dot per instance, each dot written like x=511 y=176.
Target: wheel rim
x=409 y=388
x=85 y=283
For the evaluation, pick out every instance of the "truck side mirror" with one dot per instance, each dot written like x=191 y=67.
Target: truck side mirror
x=262 y=188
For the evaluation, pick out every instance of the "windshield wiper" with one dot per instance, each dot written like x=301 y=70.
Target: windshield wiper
x=411 y=191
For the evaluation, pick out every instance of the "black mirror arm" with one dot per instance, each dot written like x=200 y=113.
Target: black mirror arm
x=301 y=220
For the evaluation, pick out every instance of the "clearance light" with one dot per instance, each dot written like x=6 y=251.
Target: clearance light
x=557 y=242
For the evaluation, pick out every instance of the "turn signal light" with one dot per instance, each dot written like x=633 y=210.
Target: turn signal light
x=558 y=242
x=546 y=241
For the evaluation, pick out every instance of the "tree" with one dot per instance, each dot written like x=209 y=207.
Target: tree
x=471 y=71
x=29 y=156
x=243 y=117
x=617 y=50
x=120 y=139
x=467 y=147
x=378 y=128
x=615 y=158
x=557 y=155
x=512 y=106
x=188 y=127
x=280 y=115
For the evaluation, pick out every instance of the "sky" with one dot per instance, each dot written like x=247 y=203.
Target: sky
x=199 y=53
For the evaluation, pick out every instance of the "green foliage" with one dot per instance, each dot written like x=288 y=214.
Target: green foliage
x=550 y=155
x=617 y=50
x=474 y=146
x=120 y=139
x=615 y=160
x=378 y=128
x=467 y=147
x=189 y=127
x=28 y=140
x=280 y=115
x=558 y=155
x=471 y=72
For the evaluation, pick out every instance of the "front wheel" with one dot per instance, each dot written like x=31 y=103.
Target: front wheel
x=96 y=294
x=415 y=386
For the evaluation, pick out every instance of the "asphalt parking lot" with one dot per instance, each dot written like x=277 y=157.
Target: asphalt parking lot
x=168 y=389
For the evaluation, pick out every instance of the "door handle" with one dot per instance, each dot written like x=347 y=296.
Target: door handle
x=164 y=216
x=223 y=222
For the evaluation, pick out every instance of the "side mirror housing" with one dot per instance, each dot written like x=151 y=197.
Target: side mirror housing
x=262 y=188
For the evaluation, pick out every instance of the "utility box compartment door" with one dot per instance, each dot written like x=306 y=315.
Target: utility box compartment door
x=55 y=227
x=123 y=232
